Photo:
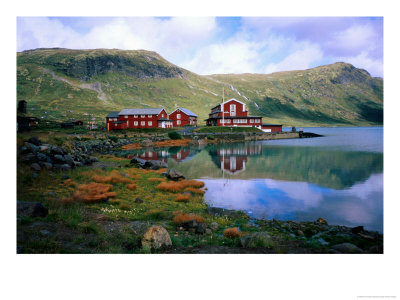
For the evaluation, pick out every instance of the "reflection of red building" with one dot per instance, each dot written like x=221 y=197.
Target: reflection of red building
x=233 y=160
x=183 y=117
x=153 y=155
x=181 y=155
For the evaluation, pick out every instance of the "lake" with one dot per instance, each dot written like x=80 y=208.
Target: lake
x=338 y=177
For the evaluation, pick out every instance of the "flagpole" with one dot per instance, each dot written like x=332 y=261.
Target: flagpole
x=222 y=106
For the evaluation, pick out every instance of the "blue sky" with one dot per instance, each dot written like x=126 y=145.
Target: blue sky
x=210 y=45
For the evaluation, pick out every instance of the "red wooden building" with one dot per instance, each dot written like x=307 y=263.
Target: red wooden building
x=138 y=118
x=232 y=113
x=183 y=117
x=271 y=127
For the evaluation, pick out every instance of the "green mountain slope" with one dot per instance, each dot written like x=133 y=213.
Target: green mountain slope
x=61 y=84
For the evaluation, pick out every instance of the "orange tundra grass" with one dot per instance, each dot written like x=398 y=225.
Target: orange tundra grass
x=114 y=177
x=182 y=217
x=194 y=190
x=175 y=186
x=92 y=192
x=131 y=186
x=232 y=233
x=153 y=179
x=182 y=198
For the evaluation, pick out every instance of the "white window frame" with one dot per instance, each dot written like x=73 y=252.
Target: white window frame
x=149 y=116
x=251 y=120
x=135 y=123
x=178 y=116
x=150 y=123
x=143 y=116
x=126 y=117
x=135 y=116
x=178 y=122
x=142 y=123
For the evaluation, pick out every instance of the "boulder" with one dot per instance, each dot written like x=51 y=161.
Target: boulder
x=58 y=158
x=35 y=141
x=65 y=167
x=31 y=209
x=347 y=248
x=256 y=239
x=69 y=160
x=57 y=150
x=44 y=148
x=46 y=165
x=138 y=161
x=35 y=167
x=156 y=237
x=201 y=228
x=155 y=164
x=214 y=226
x=42 y=157
x=322 y=221
x=147 y=143
x=31 y=147
x=174 y=174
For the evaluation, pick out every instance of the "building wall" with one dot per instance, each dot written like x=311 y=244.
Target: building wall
x=111 y=126
x=272 y=128
x=238 y=109
x=184 y=118
x=143 y=121
x=240 y=122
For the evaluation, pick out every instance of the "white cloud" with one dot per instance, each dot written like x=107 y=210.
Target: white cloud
x=300 y=59
x=363 y=61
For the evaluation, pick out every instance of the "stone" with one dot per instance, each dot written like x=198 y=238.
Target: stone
x=201 y=228
x=44 y=148
x=138 y=161
x=156 y=237
x=46 y=165
x=69 y=160
x=300 y=233
x=31 y=147
x=31 y=209
x=35 y=167
x=322 y=242
x=322 y=221
x=347 y=248
x=59 y=159
x=57 y=150
x=35 y=141
x=42 y=157
x=138 y=200
x=214 y=226
x=357 y=229
x=156 y=164
x=189 y=224
x=147 y=143
x=256 y=239
x=174 y=174
x=78 y=164
x=28 y=158
x=65 y=167
x=208 y=231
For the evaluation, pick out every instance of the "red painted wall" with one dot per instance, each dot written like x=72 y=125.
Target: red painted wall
x=185 y=119
x=146 y=119
x=274 y=128
x=248 y=122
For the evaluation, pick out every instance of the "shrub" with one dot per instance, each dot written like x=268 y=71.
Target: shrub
x=176 y=186
x=182 y=217
x=173 y=135
x=114 y=138
x=152 y=179
x=182 y=198
x=93 y=192
x=194 y=190
x=113 y=178
x=232 y=233
x=131 y=186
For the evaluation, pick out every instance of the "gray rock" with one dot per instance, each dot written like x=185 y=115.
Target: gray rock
x=46 y=165
x=156 y=237
x=256 y=239
x=147 y=143
x=208 y=231
x=59 y=159
x=28 y=158
x=35 y=141
x=31 y=209
x=138 y=161
x=214 y=226
x=31 y=147
x=78 y=164
x=44 y=148
x=69 y=160
x=347 y=248
x=322 y=242
x=65 y=167
x=156 y=164
x=201 y=228
x=35 y=167
x=300 y=233
x=57 y=150
x=42 y=157
x=174 y=174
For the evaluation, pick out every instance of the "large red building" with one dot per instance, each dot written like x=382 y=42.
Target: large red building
x=183 y=117
x=232 y=113
x=138 y=118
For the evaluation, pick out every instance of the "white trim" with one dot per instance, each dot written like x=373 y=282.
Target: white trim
x=231 y=100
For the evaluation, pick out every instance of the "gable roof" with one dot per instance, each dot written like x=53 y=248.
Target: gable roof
x=140 y=111
x=228 y=101
x=185 y=111
x=113 y=114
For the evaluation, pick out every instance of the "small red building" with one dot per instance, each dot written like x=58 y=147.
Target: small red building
x=271 y=128
x=232 y=113
x=113 y=123
x=183 y=117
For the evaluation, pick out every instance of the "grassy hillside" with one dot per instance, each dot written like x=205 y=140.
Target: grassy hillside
x=63 y=84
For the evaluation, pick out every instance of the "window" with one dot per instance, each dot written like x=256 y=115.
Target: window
x=257 y=121
x=135 y=116
x=143 y=116
x=150 y=123
x=251 y=120
x=149 y=116
x=143 y=123
x=178 y=116
x=178 y=122
x=135 y=123
x=126 y=117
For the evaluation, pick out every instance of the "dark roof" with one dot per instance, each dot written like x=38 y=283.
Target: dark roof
x=113 y=114
x=187 y=112
x=119 y=122
x=140 y=111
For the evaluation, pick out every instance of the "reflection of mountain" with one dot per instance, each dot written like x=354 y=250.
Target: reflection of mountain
x=333 y=169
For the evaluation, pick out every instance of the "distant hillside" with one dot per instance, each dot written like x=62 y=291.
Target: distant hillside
x=60 y=84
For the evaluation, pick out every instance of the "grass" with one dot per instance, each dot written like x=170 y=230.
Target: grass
x=218 y=129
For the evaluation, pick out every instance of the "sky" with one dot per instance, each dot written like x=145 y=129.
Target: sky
x=219 y=45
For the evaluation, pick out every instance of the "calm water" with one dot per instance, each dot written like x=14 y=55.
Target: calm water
x=338 y=177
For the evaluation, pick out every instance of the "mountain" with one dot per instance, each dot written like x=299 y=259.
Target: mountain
x=61 y=84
